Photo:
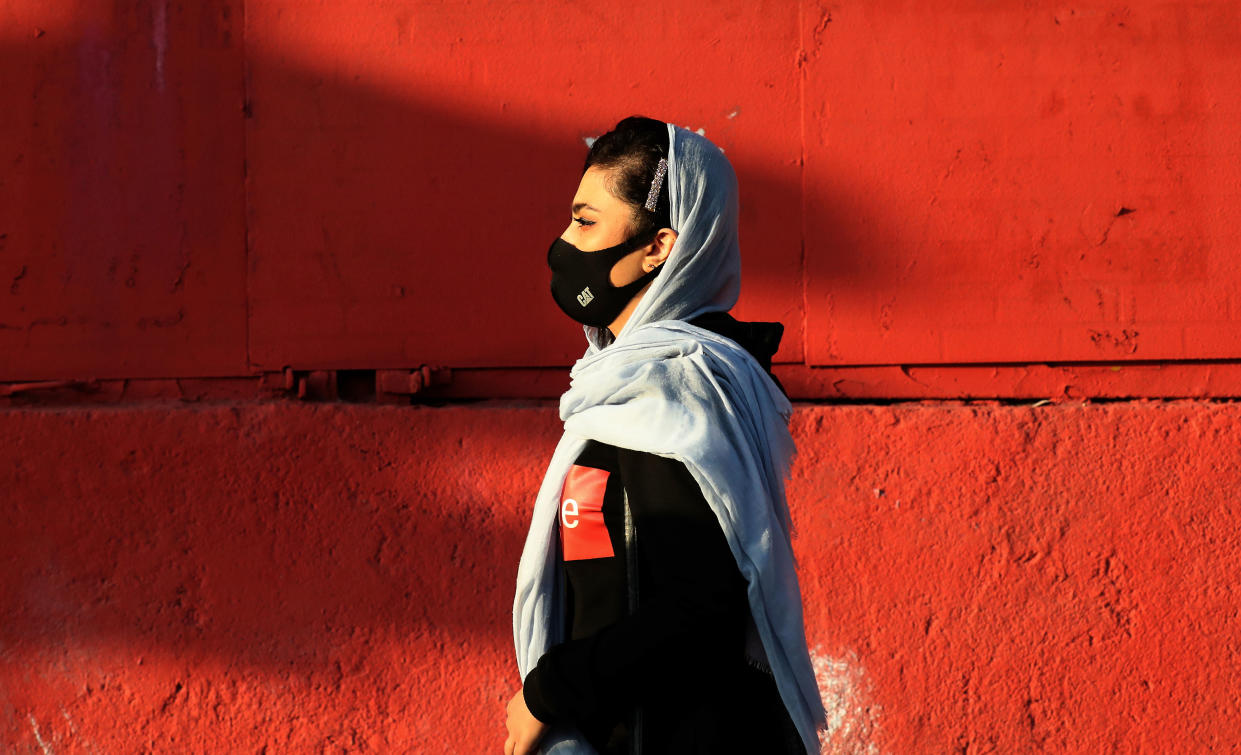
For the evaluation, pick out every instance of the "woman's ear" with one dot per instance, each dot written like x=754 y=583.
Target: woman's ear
x=661 y=247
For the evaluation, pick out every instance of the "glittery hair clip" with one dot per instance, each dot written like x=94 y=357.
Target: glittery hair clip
x=653 y=195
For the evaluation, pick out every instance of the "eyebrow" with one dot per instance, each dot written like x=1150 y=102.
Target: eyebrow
x=577 y=207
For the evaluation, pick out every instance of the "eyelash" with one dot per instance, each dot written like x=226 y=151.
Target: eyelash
x=583 y=221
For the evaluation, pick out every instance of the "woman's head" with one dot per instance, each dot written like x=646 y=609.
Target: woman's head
x=627 y=157
x=621 y=178
x=610 y=203
x=603 y=243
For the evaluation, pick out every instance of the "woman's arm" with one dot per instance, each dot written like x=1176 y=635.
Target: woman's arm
x=691 y=613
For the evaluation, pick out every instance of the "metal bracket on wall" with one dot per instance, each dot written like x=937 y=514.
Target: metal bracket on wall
x=381 y=386
x=317 y=385
x=278 y=382
x=395 y=386
x=12 y=389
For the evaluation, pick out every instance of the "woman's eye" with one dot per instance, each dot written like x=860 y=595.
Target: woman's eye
x=583 y=221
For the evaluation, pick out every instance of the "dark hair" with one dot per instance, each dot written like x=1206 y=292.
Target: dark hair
x=632 y=151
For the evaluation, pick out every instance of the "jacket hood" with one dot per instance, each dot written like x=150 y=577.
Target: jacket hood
x=761 y=339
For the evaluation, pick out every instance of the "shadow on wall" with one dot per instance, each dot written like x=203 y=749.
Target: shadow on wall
x=169 y=220
x=279 y=558
x=343 y=551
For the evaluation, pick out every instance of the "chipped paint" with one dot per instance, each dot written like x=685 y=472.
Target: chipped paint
x=43 y=745
x=852 y=717
x=87 y=744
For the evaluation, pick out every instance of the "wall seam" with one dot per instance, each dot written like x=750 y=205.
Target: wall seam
x=247 y=113
x=800 y=62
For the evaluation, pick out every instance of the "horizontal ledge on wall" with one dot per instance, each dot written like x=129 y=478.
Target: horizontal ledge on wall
x=1056 y=382
x=421 y=385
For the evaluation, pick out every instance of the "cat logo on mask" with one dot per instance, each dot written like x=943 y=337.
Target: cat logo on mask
x=584 y=279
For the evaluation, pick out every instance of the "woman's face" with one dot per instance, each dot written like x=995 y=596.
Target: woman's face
x=600 y=220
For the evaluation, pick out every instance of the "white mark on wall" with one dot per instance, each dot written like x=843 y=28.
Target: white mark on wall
x=733 y=114
x=47 y=750
x=702 y=132
x=160 y=41
x=590 y=141
x=852 y=719
x=86 y=743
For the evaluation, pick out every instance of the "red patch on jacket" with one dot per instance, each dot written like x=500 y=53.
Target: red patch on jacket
x=583 y=533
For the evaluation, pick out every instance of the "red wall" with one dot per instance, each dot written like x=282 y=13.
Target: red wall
x=215 y=190
x=210 y=210
x=978 y=578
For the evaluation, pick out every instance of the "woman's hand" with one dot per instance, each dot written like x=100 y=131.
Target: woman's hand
x=524 y=730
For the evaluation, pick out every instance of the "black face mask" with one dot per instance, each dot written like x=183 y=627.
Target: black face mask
x=581 y=283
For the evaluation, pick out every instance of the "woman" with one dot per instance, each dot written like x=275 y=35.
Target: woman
x=657 y=606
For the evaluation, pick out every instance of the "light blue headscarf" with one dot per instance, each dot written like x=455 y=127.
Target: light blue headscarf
x=680 y=391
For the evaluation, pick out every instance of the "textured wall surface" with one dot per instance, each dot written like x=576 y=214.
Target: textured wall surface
x=228 y=188
x=335 y=578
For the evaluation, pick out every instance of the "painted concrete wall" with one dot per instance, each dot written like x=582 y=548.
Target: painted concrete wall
x=326 y=578
x=263 y=200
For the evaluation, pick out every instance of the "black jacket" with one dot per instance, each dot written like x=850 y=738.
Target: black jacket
x=656 y=616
